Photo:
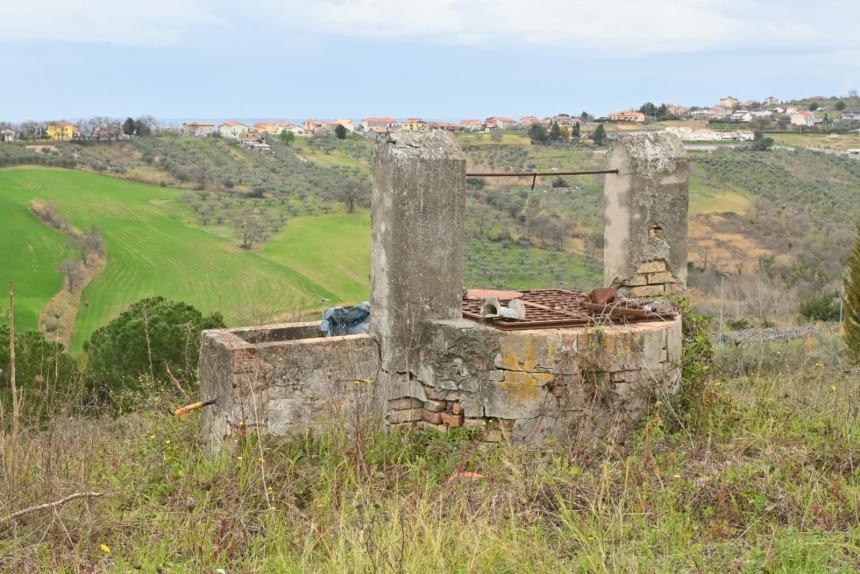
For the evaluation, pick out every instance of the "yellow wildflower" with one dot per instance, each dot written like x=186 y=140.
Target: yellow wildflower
x=105 y=548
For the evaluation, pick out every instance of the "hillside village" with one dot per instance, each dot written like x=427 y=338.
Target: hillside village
x=729 y=120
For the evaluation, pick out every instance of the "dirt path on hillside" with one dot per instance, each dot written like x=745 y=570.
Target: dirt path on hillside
x=57 y=319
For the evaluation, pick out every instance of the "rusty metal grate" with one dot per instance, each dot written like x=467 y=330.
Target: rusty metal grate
x=555 y=308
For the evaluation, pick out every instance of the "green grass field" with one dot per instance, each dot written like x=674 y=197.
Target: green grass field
x=29 y=253
x=708 y=199
x=153 y=250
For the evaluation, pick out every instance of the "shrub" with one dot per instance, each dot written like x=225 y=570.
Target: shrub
x=153 y=337
x=43 y=369
x=852 y=302
x=821 y=308
x=692 y=401
x=476 y=182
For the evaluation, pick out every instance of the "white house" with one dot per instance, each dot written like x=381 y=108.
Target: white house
x=471 y=125
x=741 y=116
x=704 y=135
x=198 y=129
x=803 y=119
x=7 y=135
x=378 y=124
x=231 y=129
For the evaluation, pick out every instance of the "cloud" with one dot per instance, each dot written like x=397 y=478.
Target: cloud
x=636 y=26
x=584 y=26
x=133 y=22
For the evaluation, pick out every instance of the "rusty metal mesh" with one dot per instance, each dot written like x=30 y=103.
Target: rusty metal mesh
x=554 y=308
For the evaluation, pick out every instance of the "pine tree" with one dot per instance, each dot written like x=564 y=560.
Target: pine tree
x=599 y=135
x=851 y=324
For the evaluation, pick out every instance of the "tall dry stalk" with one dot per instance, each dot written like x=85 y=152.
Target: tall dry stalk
x=15 y=407
x=12 y=453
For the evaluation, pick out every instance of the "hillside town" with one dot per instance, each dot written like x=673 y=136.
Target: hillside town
x=729 y=120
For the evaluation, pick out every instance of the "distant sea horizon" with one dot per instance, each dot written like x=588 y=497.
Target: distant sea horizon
x=177 y=122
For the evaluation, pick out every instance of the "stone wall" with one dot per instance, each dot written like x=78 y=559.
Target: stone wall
x=645 y=234
x=418 y=239
x=538 y=385
x=276 y=380
x=528 y=387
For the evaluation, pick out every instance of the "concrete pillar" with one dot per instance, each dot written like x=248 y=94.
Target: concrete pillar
x=645 y=233
x=418 y=237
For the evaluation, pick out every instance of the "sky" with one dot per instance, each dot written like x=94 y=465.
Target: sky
x=437 y=59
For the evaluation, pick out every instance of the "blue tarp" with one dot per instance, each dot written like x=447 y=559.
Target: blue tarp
x=338 y=321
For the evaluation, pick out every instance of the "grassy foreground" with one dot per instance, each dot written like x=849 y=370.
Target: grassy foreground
x=764 y=478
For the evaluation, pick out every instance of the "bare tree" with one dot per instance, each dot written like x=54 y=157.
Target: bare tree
x=89 y=242
x=72 y=272
x=30 y=130
x=93 y=241
x=250 y=228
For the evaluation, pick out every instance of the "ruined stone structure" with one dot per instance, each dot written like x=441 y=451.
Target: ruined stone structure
x=423 y=364
x=647 y=202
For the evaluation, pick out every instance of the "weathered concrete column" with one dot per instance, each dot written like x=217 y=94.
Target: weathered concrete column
x=418 y=237
x=645 y=236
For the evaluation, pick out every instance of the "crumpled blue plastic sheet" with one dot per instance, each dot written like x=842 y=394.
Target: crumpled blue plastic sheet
x=339 y=321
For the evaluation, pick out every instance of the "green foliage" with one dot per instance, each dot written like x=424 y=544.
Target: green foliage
x=813 y=106
x=43 y=369
x=599 y=135
x=820 y=308
x=286 y=137
x=538 y=133
x=128 y=126
x=154 y=337
x=695 y=397
x=851 y=326
x=840 y=106
x=698 y=351
x=649 y=109
x=476 y=182
x=340 y=132
x=760 y=142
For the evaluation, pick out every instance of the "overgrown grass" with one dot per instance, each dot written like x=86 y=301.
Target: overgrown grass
x=766 y=481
